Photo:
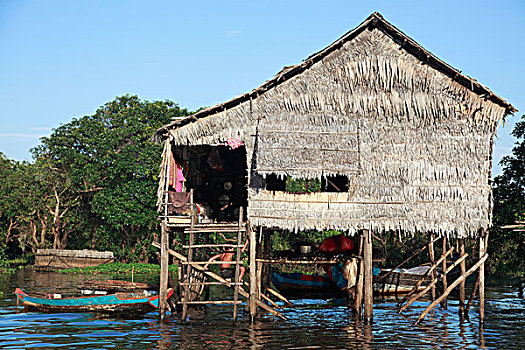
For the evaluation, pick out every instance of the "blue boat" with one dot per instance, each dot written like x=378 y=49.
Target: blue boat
x=110 y=303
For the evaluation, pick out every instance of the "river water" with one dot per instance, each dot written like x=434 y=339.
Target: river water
x=311 y=324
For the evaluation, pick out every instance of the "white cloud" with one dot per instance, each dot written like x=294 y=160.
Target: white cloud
x=233 y=32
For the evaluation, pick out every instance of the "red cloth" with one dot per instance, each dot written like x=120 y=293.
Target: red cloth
x=337 y=244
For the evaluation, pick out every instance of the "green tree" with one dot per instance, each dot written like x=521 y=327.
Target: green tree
x=507 y=246
x=112 y=164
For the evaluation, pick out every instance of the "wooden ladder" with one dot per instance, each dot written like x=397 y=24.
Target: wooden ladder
x=193 y=279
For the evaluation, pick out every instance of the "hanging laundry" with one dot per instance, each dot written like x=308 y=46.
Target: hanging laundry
x=179 y=182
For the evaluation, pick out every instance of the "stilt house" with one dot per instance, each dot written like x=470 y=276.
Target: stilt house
x=397 y=139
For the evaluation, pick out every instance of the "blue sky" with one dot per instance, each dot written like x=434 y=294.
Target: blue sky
x=64 y=59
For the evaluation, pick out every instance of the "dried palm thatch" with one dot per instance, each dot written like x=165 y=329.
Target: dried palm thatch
x=413 y=135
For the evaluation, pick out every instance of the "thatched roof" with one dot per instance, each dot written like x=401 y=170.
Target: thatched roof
x=375 y=20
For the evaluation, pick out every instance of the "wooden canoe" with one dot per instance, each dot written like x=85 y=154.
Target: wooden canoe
x=110 y=303
x=116 y=286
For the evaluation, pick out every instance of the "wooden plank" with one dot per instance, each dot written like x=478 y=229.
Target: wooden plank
x=368 y=290
x=214 y=230
x=296 y=262
x=451 y=287
x=214 y=302
x=213 y=246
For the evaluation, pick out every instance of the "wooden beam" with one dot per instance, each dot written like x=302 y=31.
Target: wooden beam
x=368 y=290
x=451 y=287
x=277 y=295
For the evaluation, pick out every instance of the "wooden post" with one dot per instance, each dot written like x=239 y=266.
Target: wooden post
x=368 y=291
x=462 y=284
x=483 y=239
x=431 y=257
x=237 y=267
x=164 y=256
x=253 y=274
x=444 y=303
x=358 y=301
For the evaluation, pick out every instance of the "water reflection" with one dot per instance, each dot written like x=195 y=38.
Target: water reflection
x=312 y=324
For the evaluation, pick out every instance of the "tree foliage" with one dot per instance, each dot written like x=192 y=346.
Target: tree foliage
x=92 y=184
x=507 y=246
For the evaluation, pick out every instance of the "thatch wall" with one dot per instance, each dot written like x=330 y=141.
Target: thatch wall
x=415 y=143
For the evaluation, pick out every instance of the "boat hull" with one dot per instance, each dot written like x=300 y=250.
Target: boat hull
x=111 y=303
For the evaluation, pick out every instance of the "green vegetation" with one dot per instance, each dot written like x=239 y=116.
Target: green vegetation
x=118 y=268
x=507 y=246
x=92 y=184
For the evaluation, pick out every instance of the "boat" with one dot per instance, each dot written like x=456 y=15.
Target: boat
x=110 y=303
x=300 y=285
x=399 y=281
x=115 y=286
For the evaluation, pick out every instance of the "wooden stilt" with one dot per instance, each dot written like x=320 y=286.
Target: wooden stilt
x=358 y=301
x=237 y=267
x=471 y=298
x=444 y=266
x=461 y=243
x=253 y=274
x=277 y=295
x=431 y=257
x=451 y=287
x=368 y=291
x=483 y=239
x=164 y=260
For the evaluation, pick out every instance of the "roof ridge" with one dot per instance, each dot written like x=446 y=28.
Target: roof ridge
x=374 y=20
